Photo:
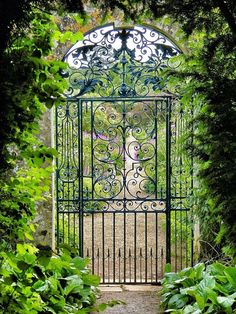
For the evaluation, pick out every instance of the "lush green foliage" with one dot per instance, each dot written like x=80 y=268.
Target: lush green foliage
x=16 y=15
x=207 y=81
x=209 y=88
x=28 y=80
x=34 y=281
x=200 y=289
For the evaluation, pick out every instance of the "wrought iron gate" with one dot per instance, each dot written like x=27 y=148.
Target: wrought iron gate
x=123 y=182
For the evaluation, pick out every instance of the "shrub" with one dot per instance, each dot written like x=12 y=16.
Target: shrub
x=35 y=281
x=200 y=289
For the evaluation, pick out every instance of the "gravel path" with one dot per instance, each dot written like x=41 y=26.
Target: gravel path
x=138 y=299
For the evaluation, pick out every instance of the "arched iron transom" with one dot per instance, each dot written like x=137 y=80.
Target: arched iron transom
x=123 y=182
x=119 y=61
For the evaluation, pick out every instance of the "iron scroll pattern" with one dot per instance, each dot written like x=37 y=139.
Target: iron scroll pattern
x=119 y=62
x=67 y=143
x=124 y=151
x=122 y=166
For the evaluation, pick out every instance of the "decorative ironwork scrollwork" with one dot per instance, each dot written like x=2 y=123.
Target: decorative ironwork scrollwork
x=109 y=61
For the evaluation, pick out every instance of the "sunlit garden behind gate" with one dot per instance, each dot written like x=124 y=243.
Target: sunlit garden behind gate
x=117 y=149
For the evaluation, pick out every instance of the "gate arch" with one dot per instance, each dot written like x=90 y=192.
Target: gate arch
x=123 y=183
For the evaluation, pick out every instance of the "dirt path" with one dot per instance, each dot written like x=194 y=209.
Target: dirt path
x=139 y=299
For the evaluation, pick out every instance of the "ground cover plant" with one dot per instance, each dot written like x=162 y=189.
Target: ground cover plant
x=200 y=289
x=32 y=280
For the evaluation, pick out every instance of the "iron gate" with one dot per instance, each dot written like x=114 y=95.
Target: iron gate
x=123 y=182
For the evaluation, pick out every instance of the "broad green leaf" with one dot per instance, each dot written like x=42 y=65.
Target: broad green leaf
x=91 y=280
x=192 y=291
x=41 y=286
x=226 y=301
x=72 y=287
x=211 y=295
x=171 y=277
x=199 y=268
x=230 y=273
x=207 y=281
x=20 y=249
x=191 y=309
x=29 y=258
x=200 y=301
x=79 y=262
x=177 y=301
x=216 y=268
x=185 y=282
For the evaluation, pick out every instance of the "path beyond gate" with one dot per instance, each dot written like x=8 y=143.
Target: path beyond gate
x=123 y=182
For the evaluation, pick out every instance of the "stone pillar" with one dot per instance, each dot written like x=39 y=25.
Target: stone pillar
x=45 y=216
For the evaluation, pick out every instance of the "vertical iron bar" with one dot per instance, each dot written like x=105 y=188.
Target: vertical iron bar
x=98 y=263
x=67 y=167
x=124 y=180
x=135 y=247
x=124 y=246
x=140 y=264
x=146 y=248
x=168 y=180
x=108 y=265
x=63 y=228
x=93 y=248
x=162 y=262
x=191 y=187
x=151 y=271
x=187 y=238
x=92 y=148
x=175 y=238
x=181 y=188
x=130 y=261
x=80 y=130
x=103 y=247
x=156 y=152
x=119 y=263
x=57 y=185
x=157 y=268
x=114 y=247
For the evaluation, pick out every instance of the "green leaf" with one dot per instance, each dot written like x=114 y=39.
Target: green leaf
x=216 y=268
x=167 y=268
x=20 y=248
x=91 y=280
x=230 y=273
x=79 y=262
x=29 y=258
x=177 y=301
x=102 y=306
x=22 y=265
x=199 y=268
x=226 y=301
x=200 y=301
x=191 y=309
x=72 y=288
x=40 y=285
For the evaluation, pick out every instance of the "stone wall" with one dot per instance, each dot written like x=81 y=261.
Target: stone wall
x=44 y=218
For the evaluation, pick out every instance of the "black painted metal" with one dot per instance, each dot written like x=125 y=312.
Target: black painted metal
x=123 y=182
x=124 y=62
